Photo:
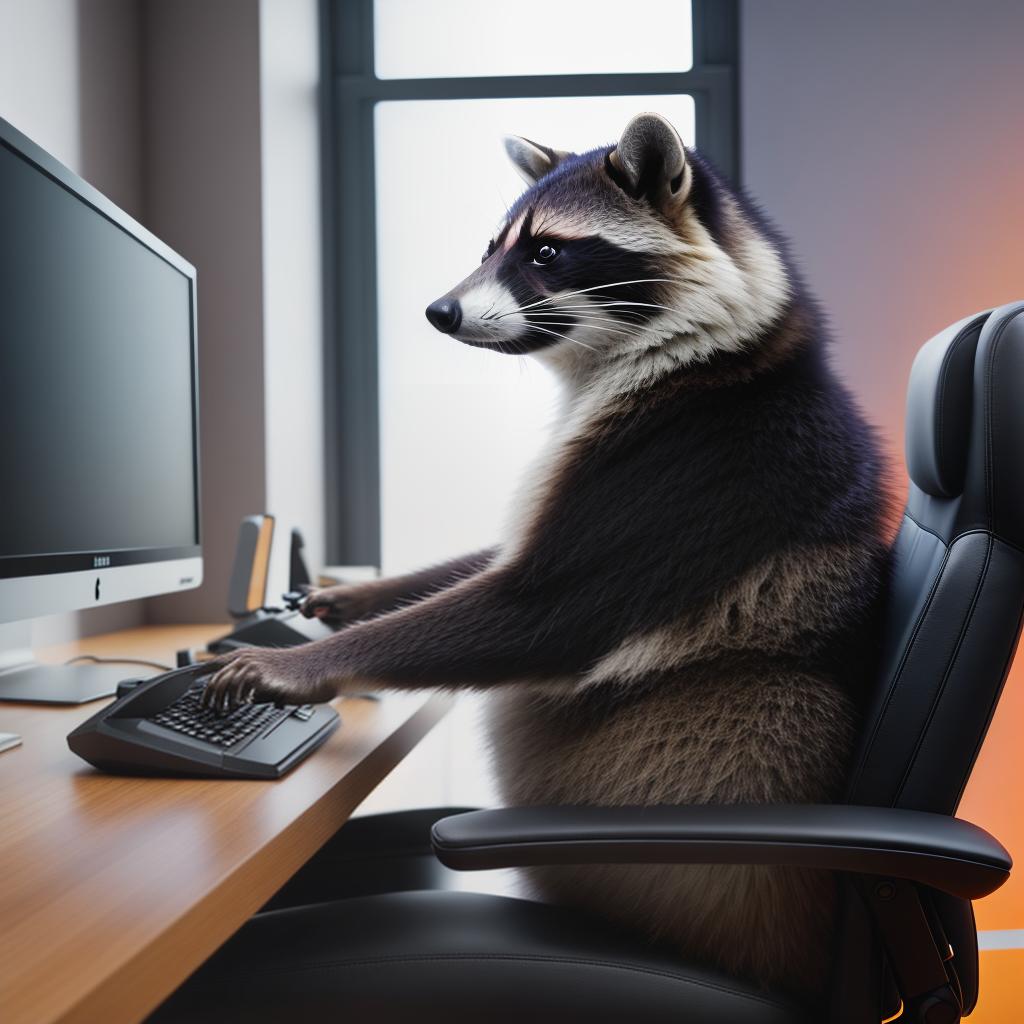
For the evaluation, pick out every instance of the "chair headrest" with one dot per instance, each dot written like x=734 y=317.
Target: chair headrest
x=939 y=399
x=994 y=494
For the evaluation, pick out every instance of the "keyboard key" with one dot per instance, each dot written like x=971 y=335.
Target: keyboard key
x=187 y=716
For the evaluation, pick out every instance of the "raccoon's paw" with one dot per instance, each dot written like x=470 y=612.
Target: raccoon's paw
x=259 y=674
x=337 y=606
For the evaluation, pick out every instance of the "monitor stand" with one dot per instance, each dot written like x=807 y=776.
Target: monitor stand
x=9 y=740
x=36 y=683
x=27 y=681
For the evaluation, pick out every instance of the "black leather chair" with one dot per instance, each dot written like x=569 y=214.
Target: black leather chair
x=908 y=870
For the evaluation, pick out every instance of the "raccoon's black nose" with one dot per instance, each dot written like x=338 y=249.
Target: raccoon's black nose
x=445 y=315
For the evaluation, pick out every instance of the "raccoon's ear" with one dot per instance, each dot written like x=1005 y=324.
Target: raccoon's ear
x=650 y=163
x=531 y=159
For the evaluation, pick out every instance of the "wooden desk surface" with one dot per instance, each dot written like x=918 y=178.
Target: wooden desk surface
x=112 y=890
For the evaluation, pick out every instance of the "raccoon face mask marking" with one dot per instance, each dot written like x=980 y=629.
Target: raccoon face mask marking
x=633 y=259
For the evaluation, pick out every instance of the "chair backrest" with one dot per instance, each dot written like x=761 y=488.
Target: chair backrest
x=956 y=594
x=955 y=602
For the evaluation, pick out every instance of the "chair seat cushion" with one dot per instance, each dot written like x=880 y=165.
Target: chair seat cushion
x=454 y=957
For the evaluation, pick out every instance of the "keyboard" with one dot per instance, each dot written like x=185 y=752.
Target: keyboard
x=187 y=715
x=159 y=727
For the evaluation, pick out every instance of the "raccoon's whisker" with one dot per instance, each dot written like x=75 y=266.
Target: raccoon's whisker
x=627 y=308
x=565 y=337
x=499 y=314
x=574 y=310
x=601 y=287
x=617 y=333
x=582 y=316
x=609 y=303
x=627 y=319
x=554 y=299
x=586 y=310
x=562 y=323
x=620 y=329
x=635 y=316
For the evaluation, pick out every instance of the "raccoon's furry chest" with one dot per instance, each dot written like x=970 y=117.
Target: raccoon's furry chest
x=734 y=699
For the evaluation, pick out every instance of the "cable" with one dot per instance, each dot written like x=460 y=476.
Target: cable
x=119 y=661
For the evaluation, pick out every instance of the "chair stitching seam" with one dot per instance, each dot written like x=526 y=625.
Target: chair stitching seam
x=993 y=704
x=946 y=359
x=898 y=675
x=923 y=528
x=985 y=532
x=950 y=665
x=967 y=533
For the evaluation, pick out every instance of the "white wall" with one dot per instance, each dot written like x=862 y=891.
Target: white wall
x=886 y=140
x=69 y=79
x=39 y=87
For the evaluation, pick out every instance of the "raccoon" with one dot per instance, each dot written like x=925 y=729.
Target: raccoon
x=684 y=606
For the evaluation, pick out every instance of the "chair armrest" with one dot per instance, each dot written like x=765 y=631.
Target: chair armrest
x=944 y=853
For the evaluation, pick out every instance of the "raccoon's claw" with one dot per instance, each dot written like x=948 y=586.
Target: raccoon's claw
x=259 y=675
x=334 y=605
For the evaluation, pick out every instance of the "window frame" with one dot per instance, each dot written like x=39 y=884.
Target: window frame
x=350 y=90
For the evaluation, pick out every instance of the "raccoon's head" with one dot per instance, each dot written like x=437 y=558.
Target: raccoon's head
x=633 y=254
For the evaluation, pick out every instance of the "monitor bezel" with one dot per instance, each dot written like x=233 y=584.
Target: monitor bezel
x=91 y=563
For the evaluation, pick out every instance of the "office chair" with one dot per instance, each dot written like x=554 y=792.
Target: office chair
x=907 y=869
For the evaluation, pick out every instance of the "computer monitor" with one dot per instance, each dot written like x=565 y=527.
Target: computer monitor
x=99 y=459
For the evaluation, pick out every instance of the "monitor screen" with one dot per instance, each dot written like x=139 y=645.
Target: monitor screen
x=97 y=386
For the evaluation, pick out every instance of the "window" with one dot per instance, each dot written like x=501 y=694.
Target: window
x=426 y=437
x=474 y=39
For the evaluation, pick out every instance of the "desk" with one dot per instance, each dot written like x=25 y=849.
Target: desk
x=113 y=890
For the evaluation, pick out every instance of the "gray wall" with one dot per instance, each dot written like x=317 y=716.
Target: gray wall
x=202 y=183
x=886 y=140
x=69 y=79
x=231 y=179
x=110 y=127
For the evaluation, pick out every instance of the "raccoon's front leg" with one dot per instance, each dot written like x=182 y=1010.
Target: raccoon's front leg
x=495 y=627
x=340 y=605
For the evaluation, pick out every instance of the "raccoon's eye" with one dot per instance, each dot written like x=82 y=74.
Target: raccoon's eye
x=543 y=255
